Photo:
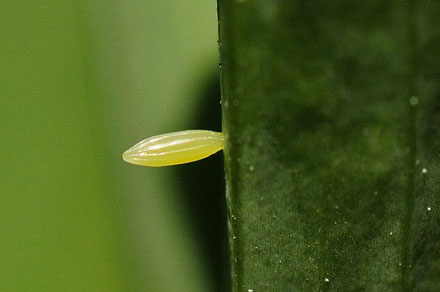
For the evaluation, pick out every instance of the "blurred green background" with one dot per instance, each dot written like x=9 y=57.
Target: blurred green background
x=80 y=82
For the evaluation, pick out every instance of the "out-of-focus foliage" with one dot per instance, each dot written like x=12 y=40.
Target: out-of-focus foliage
x=331 y=116
x=80 y=81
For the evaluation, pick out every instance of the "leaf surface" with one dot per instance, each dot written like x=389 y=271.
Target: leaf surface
x=331 y=111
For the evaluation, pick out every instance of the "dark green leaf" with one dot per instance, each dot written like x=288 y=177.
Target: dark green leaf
x=331 y=113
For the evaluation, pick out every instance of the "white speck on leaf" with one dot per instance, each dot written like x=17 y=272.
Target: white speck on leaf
x=414 y=100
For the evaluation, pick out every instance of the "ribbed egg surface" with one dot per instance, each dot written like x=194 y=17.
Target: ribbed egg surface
x=175 y=148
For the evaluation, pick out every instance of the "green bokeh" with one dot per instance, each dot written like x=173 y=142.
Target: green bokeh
x=81 y=81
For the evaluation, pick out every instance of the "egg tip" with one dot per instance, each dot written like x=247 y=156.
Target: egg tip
x=126 y=156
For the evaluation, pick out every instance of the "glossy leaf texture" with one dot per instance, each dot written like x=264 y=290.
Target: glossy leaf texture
x=331 y=111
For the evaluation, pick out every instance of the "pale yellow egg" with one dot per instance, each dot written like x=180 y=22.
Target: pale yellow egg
x=175 y=148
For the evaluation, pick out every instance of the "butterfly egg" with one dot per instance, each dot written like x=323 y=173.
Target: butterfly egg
x=175 y=148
